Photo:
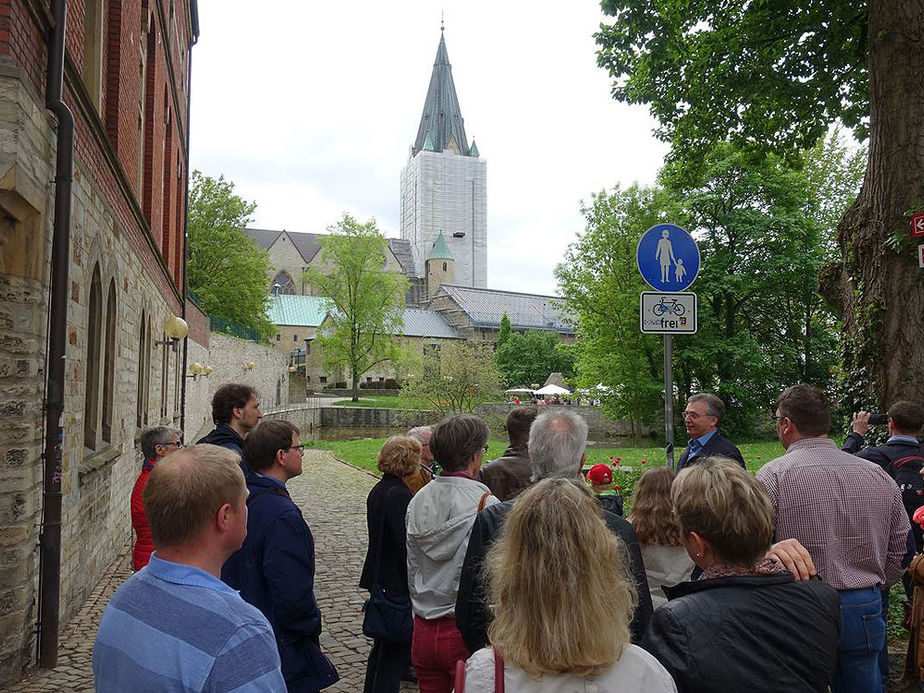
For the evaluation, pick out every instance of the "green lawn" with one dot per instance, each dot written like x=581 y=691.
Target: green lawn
x=364 y=452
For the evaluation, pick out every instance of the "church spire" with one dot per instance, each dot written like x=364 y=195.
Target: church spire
x=441 y=125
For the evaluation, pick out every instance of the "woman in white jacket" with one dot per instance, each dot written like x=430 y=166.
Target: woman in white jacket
x=563 y=601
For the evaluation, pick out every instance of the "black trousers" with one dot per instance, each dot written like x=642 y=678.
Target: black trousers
x=387 y=663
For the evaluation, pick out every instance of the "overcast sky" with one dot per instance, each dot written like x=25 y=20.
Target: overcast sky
x=310 y=109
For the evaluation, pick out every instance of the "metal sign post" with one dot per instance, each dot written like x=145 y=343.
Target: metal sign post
x=668 y=260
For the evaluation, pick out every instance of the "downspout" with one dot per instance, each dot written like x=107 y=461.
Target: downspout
x=50 y=535
x=194 y=30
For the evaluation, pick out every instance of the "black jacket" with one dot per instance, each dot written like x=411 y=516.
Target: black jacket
x=750 y=633
x=225 y=436
x=472 y=613
x=884 y=454
x=386 y=508
x=717 y=445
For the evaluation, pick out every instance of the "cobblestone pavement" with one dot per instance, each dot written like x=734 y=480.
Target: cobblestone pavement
x=332 y=497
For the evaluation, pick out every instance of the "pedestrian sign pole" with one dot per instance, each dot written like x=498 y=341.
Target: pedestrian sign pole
x=668 y=260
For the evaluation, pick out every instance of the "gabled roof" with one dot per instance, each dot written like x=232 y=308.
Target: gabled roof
x=306 y=244
x=440 y=251
x=486 y=307
x=441 y=124
x=293 y=310
x=401 y=249
x=264 y=237
x=427 y=323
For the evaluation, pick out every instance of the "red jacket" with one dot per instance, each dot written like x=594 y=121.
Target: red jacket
x=144 y=545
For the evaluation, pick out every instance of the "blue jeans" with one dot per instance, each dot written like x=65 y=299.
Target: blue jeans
x=862 y=638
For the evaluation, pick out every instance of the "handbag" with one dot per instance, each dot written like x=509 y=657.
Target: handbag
x=385 y=618
x=459 y=686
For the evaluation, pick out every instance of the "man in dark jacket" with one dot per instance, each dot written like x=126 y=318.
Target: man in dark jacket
x=274 y=569
x=702 y=417
x=556 y=445
x=235 y=411
x=511 y=473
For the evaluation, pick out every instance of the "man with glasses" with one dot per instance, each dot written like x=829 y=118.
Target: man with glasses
x=274 y=569
x=155 y=443
x=702 y=417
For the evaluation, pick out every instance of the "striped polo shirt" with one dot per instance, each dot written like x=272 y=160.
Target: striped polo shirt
x=172 y=627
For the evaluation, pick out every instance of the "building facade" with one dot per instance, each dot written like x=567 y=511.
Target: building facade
x=126 y=81
x=444 y=184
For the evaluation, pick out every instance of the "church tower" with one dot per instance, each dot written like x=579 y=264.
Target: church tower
x=444 y=184
x=440 y=266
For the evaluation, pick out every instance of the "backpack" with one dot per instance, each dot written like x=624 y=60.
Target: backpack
x=907 y=474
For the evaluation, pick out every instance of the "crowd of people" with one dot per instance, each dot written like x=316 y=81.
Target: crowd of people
x=521 y=574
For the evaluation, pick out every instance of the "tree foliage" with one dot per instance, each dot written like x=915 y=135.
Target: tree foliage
x=456 y=376
x=503 y=333
x=527 y=359
x=225 y=270
x=367 y=301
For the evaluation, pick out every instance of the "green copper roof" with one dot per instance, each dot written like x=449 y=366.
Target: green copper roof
x=440 y=250
x=474 y=149
x=298 y=311
x=441 y=122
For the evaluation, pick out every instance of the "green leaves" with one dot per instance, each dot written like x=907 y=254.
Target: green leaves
x=456 y=376
x=225 y=271
x=526 y=359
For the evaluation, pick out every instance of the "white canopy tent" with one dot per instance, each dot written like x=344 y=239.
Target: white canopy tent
x=552 y=390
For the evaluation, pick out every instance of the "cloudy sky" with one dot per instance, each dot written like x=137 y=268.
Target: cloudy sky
x=310 y=109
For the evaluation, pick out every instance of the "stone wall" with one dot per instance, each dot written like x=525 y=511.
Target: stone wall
x=366 y=417
x=228 y=357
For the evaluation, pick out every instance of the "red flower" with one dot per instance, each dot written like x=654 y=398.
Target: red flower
x=618 y=487
x=644 y=461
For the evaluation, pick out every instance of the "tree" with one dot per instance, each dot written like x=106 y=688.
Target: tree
x=503 y=333
x=600 y=284
x=225 y=270
x=529 y=358
x=367 y=301
x=455 y=377
x=774 y=77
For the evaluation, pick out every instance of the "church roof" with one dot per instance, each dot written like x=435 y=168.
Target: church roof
x=264 y=237
x=293 y=310
x=485 y=308
x=440 y=250
x=441 y=124
x=306 y=244
x=402 y=250
x=419 y=322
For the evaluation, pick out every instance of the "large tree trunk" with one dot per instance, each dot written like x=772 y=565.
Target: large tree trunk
x=883 y=288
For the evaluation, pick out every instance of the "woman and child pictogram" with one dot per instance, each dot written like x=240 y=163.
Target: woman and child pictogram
x=664 y=254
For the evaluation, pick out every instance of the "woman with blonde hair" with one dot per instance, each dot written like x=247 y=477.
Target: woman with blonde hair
x=385 y=569
x=666 y=561
x=563 y=602
x=745 y=623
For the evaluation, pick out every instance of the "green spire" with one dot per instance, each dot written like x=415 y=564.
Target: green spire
x=440 y=249
x=474 y=150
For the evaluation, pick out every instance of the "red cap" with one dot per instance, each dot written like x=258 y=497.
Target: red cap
x=600 y=474
x=918 y=516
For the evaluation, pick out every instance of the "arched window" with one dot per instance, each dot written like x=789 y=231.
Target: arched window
x=109 y=365
x=144 y=371
x=94 y=335
x=444 y=266
x=284 y=283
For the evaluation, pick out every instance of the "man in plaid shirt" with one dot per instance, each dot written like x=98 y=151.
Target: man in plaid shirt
x=848 y=513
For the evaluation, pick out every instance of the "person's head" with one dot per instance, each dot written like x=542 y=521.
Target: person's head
x=802 y=411
x=724 y=513
x=159 y=440
x=197 y=495
x=906 y=418
x=422 y=435
x=600 y=477
x=553 y=540
x=400 y=456
x=236 y=405
x=652 y=511
x=665 y=234
x=556 y=444
x=459 y=441
x=519 y=421
x=703 y=414
x=273 y=448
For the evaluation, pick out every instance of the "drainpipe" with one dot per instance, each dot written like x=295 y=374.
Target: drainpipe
x=194 y=29
x=50 y=535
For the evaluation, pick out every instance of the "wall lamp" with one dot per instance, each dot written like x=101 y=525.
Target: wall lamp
x=175 y=329
x=196 y=369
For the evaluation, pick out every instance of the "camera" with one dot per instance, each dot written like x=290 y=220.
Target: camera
x=878 y=419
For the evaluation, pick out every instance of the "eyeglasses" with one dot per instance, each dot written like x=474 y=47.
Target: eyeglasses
x=692 y=415
x=300 y=448
x=176 y=444
x=484 y=448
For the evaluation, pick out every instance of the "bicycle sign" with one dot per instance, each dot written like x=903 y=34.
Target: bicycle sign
x=667 y=313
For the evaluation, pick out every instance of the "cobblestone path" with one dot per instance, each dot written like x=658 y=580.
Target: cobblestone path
x=332 y=497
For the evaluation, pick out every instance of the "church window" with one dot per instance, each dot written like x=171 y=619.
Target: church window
x=278 y=336
x=92 y=71
x=294 y=337
x=444 y=266
x=283 y=283
x=92 y=362
x=144 y=371
x=109 y=363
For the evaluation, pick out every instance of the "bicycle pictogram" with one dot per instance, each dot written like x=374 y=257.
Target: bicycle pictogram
x=664 y=307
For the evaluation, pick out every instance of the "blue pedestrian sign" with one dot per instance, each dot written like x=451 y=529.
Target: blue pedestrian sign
x=668 y=258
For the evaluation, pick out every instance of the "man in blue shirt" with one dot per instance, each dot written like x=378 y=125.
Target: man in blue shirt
x=701 y=418
x=274 y=570
x=174 y=625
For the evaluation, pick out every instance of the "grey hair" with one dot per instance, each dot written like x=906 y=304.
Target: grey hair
x=556 y=444
x=418 y=431
x=714 y=406
x=158 y=435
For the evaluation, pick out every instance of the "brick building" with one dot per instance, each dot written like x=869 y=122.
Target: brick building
x=126 y=80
